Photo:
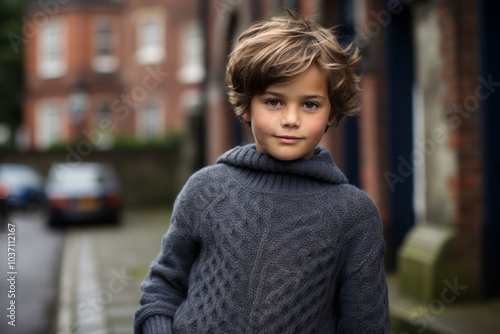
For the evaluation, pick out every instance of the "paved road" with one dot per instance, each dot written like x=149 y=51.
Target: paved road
x=102 y=269
x=36 y=279
x=81 y=280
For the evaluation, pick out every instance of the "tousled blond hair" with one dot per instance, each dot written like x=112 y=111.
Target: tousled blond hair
x=280 y=49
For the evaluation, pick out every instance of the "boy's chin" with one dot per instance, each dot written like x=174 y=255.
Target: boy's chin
x=283 y=155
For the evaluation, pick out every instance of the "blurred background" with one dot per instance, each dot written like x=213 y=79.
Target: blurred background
x=130 y=93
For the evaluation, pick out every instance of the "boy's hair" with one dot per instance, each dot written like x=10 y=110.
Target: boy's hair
x=280 y=49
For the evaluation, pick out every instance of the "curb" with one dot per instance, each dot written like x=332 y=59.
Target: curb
x=66 y=297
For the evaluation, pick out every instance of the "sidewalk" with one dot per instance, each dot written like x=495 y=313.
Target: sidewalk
x=481 y=317
x=102 y=270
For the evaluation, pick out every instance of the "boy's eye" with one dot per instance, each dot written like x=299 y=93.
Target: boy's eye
x=310 y=105
x=273 y=103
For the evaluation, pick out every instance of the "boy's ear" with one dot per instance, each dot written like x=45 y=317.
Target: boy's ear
x=331 y=121
x=246 y=116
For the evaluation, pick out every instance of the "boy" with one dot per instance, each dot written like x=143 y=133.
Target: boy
x=272 y=239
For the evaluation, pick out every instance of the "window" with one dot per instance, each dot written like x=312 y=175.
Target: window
x=105 y=60
x=51 y=50
x=150 y=40
x=150 y=34
x=48 y=124
x=150 y=121
x=104 y=127
x=192 y=70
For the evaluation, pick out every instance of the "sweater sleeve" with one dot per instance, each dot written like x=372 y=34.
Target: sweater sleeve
x=165 y=286
x=363 y=302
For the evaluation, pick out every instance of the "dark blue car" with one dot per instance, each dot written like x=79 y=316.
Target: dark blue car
x=22 y=186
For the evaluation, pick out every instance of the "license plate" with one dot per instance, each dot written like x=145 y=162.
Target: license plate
x=87 y=204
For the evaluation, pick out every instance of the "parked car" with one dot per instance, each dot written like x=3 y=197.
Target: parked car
x=83 y=192
x=22 y=186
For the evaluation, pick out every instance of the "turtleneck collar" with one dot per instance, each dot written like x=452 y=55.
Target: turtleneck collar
x=262 y=171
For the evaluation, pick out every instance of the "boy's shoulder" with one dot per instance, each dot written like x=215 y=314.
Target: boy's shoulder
x=201 y=188
x=206 y=179
x=207 y=173
x=354 y=201
x=352 y=193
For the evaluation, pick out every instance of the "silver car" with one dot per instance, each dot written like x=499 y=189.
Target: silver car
x=83 y=192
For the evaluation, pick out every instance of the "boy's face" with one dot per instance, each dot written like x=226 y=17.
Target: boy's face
x=289 y=119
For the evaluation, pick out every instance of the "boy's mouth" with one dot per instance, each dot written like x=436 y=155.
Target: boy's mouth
x=288 y=139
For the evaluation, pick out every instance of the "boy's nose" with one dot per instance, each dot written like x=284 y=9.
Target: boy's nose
x=290 y=117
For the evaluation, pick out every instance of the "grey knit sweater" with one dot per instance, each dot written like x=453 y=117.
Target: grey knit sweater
x=258 y=245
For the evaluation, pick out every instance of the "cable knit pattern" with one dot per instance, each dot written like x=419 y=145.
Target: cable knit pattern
x=259 y=245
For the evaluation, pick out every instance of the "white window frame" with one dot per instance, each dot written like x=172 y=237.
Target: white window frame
x=108 y=62
x=192 y=54
x=150 y=121
x=49 y=123
x=150 y=39
x=52 y=48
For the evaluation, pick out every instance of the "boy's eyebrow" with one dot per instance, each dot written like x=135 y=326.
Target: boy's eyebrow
x=304 y=96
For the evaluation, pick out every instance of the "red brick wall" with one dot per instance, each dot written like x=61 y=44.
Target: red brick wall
x=460 y=50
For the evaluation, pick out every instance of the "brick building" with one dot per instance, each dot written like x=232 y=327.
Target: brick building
x=423 y=146
x=100 y=70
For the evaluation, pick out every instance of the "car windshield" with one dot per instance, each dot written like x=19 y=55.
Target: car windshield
x=18 y=176
x=81 y=177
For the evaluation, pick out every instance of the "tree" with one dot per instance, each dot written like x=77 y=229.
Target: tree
x=11 y=62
